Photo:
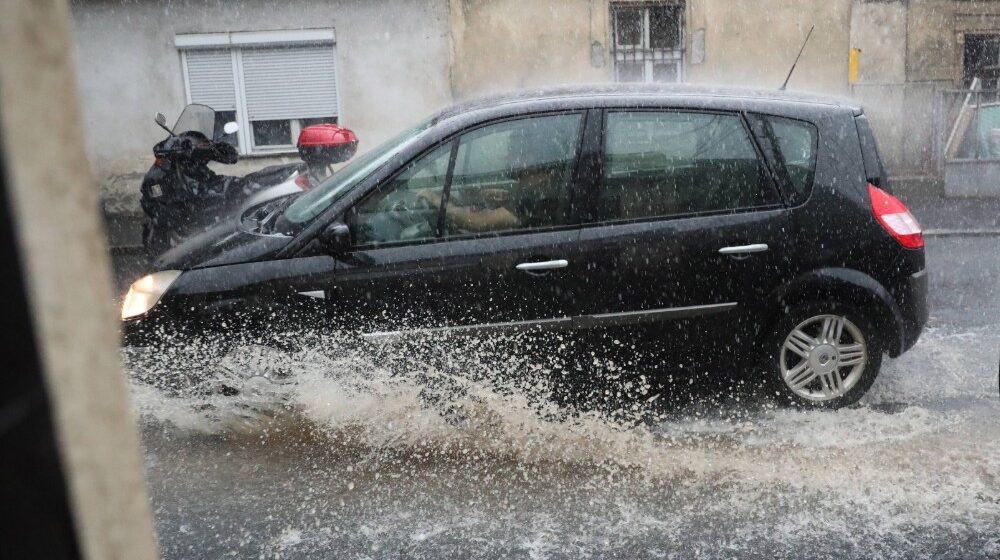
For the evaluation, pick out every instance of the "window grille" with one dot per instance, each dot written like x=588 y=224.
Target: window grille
x=648 y=41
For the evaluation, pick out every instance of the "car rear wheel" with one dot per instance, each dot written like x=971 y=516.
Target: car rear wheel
x=824 y=355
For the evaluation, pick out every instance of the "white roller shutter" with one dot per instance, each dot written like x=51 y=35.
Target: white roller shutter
x=210 y=78
x=290 y=82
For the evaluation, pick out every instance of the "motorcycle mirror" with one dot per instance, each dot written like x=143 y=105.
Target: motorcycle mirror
x=230 y=128
x=336 y=238
x=161 y=120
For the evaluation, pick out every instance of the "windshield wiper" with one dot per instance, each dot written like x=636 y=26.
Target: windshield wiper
x=272 y=212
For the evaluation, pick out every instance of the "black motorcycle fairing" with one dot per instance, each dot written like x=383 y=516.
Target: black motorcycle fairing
x=181 y=195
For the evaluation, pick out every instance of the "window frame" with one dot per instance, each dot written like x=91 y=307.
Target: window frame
x=577 y=189
x=238 y=41
x=601 y=157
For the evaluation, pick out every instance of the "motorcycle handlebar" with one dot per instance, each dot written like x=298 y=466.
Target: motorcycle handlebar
x=221 y=152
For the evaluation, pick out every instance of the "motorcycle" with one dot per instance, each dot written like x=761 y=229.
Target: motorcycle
x=182 y=196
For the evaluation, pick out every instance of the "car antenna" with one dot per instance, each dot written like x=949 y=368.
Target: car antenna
x=789 y=76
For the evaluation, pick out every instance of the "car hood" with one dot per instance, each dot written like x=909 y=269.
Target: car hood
x=226 y=243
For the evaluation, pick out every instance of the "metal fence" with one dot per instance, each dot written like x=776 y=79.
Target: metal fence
x=971 y=122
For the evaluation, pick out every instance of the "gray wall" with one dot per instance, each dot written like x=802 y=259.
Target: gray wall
x=399 y=60
x=393 y=64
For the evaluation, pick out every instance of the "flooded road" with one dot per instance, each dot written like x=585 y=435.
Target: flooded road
x=349 y=461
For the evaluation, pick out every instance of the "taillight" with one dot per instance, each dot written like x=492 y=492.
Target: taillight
x=896 y=218
x=303 y=182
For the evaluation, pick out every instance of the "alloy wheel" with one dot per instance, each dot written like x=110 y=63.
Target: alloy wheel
x=823 y=357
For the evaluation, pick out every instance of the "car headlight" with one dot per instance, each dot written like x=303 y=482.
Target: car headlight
x=146 y=291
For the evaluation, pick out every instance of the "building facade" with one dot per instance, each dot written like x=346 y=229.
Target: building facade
x=378 y=66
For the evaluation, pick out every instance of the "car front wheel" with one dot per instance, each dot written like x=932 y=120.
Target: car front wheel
x=824 y=355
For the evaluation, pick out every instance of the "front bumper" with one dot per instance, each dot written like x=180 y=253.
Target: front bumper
x=147 y=330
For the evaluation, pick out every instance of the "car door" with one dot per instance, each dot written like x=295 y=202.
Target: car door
x=688 y=236
x=476 y=235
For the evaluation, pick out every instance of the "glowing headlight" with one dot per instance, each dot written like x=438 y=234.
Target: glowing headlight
x=146 y=291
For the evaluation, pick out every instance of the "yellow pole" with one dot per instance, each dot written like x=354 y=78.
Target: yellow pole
x=853 y=64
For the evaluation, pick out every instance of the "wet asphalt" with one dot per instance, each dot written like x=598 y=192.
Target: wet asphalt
x=348 y=461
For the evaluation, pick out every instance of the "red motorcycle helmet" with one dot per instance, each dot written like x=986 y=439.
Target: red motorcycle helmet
x=326 y=144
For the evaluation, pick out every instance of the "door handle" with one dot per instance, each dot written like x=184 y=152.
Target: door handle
x=744 y=249
x=543 y=265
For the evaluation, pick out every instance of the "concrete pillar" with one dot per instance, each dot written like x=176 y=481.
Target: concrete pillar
x=68 y=278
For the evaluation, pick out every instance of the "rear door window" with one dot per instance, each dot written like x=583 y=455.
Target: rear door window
x=795 y=143
x=666 y=163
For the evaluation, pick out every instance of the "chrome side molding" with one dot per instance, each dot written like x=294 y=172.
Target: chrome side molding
x=563 y=323
x=646 y=316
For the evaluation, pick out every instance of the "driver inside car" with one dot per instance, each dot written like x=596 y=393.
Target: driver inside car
x=492 y=214
x=507 y=179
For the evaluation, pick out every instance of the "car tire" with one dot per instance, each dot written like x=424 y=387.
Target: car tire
x=822 y=355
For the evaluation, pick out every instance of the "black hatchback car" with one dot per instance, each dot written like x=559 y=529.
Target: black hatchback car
x=748 y=228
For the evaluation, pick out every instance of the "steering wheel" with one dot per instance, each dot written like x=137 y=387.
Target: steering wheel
x=409 y=201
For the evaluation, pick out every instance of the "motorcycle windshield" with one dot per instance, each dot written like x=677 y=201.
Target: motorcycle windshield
x=196 y=118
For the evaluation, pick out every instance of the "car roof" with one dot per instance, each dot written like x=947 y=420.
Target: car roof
x=709 y=95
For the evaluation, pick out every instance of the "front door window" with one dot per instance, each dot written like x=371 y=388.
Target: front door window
x=511 y=175
x=514 y=175
x=407 y=208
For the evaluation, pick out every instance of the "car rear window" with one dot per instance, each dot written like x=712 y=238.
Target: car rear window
x=795 y=144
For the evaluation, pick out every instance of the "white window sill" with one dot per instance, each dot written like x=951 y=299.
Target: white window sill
x=276 y=152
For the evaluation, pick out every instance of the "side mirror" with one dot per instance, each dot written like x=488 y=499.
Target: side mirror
x=230 y=128
x=162 y=122
x=336 y=238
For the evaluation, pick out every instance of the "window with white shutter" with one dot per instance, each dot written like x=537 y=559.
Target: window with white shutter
x=210 y=79
x=271 y=83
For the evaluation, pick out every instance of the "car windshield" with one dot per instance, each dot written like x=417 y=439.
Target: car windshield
x=314 y=202
x=196 y=118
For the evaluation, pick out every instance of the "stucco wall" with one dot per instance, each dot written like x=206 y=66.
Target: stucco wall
x=503 y=45
x=749 y=42
x=393 y=63
x=932 y=50
x=879 y=30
